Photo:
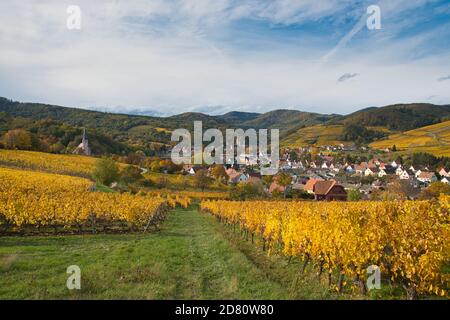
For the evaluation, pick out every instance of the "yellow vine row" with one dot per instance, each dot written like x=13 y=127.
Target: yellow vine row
x=42 y=199
x=408 y=241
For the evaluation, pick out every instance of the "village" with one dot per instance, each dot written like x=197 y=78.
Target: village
x=326 y=174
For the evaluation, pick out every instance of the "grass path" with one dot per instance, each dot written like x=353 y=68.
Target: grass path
x=191 y=257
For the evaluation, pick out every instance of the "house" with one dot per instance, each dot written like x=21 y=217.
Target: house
x=394 y=164
x=230 y=171
x=191 y=170
x=399 y=170
x=238 y=177
x=445 y=180
x=371 y=171
x=349 y=168
x=374 y=162
x=404 y=175
x=411 y=168
x=378 y=185
x=337 y=167
x=388 y=169
x=325 y=165
x=417 y=173
x=309 y=186
x=329 y=191
x=275 y=187
x=444 y=173
x=254 y=176
x=359 y=169
x=382 y=173
x=298 y=186
x=427 y=177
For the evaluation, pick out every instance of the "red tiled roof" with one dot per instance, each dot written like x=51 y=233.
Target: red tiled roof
x=323 y=187
x=275 y=186
x=309 y=186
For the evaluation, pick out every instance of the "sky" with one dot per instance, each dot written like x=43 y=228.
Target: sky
x=174 y=56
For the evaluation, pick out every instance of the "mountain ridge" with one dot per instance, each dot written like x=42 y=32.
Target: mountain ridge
x=139 y=131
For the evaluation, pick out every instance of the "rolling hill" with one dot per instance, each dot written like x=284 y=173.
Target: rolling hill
x=433 y=139
x=400 y=117
x=119 y=133
x=315 y=135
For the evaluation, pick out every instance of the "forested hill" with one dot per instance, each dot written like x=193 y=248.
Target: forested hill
x=400 y=117
x=60 y=127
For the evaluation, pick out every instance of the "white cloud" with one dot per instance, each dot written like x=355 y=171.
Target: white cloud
x=159 y=55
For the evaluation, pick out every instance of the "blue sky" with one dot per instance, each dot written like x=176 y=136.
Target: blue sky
x=215 y=56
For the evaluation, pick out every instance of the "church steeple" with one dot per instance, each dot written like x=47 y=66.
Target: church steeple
x=83 y=147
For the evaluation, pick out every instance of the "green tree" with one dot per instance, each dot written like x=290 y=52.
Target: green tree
x=293 y=156
x=247 y=190
x=131 y=174
x=353 y=195
x=18 y=139
x=182 y=181
x=267 y=180
x=434 y=190
x=284 y=180
x=106 y=171
x=219 y=173
x=201 y=179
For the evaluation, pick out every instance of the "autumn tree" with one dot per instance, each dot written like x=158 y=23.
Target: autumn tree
x=434 y=190
x=219 y=173
x=353 y=195
x=201 y=179
x=284 y=180
x=17 y=139
x=131 y=174
x=247 y=190
x=399 y=189
x=106 y=171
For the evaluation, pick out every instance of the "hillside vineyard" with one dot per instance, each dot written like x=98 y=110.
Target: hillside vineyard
x=408 y=240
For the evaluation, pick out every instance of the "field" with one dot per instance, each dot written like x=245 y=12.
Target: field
x=156 y=244
x=191 y=257
x=36 y=201
x=408 y=241
x=317 y=135
x=74 y=165
x=433 y=139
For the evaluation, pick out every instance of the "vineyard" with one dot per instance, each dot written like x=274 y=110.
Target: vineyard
x=74 y=165
x=41 y=202
x=408 y=241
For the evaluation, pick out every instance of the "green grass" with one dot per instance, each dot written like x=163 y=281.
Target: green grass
x=193 y=256
x=102 y=188
x=189 y=258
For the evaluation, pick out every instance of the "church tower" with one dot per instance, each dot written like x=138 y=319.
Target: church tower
x=83 y=147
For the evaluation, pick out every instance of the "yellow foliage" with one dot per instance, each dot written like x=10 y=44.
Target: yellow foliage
x=433 y=139
x=55 y=163
x=43 y=199
x=409 y=240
